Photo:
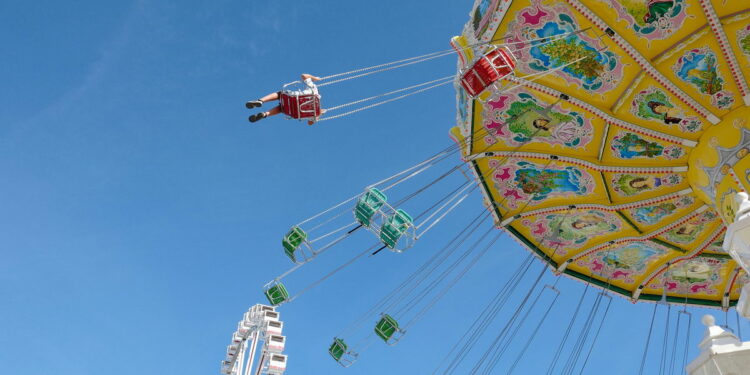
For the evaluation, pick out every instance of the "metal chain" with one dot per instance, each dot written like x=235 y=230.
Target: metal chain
x=450 y=77
x=384 y=101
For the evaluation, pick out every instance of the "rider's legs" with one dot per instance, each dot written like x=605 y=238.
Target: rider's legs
x=257 y=103
x=261 y=115
x=274 y=111
x=270 y=97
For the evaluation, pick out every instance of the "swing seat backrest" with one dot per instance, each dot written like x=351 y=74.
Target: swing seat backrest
x=368 y=204
x=277 y=294
x=493 y=66
x=386 y=328
x=293 y=240
x=395 y=227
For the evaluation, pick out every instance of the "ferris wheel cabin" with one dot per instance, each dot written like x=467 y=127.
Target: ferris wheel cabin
x=276 y=364
x=275 y=344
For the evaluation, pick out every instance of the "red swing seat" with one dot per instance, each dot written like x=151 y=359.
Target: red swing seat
x=494 y=65
x=299 y=104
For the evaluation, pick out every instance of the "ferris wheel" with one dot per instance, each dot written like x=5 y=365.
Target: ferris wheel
x=258 y=335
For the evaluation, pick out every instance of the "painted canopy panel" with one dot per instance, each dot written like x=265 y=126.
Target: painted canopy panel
x=604 y=152
x=651 y=105
x=698 y=68
x=518 y=117
x=655 y=26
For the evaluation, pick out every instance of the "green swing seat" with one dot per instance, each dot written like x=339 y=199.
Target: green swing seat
x=395 y=227
x=292 y=241
x=368 y=204
x=340 y=352
x=277 y=294
x=338 y=349
x=386 y=328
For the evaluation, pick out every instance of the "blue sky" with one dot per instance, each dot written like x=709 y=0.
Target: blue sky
x=142 y=213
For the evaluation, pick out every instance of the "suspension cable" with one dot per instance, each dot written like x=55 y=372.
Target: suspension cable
x=446 y=199
x=434 y=83
x=596 y=336
x=450 y=77
x=469 y=186
x=483 y=320
x=665 y=343
x=567 y=331
x=455 y=280
x=434 y=56
x=424 y=292
x=445 y=213
x=384 y=101
x=429 y=162
x=441 y=155
x=604 y=293
x=451 y=51
x=428 y=185
x=687 y=337
x=538 y=326
x=578 y=346
x=447 y=251
x=356 y=71
x=497 y=349
x=485 y=317
x=673 y=356
x=328 y=275
x=648 y=339
x=401 y=287
x=525 y=78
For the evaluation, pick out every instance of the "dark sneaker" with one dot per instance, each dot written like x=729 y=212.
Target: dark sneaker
x=253 y=104
x=258 y=117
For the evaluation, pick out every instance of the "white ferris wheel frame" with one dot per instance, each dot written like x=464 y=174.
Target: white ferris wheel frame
x=258 y=334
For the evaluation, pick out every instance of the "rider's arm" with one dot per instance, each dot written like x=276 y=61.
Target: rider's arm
x=310 y=76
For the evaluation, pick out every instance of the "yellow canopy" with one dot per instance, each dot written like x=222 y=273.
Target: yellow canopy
x=612 y=168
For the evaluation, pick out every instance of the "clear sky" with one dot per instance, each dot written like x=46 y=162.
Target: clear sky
x=140 y=213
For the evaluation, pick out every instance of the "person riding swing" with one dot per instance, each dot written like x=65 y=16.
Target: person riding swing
x=302 y=103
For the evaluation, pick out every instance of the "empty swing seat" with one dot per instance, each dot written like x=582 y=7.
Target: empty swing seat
x=494 y=65
x=394 y=227
x=292 y=241
x=340 y=352
x=277 y=294
x=368 y=204
x=337 y=349
x=386 y=328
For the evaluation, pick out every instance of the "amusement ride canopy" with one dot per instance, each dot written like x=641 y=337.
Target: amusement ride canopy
x=618 y=169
